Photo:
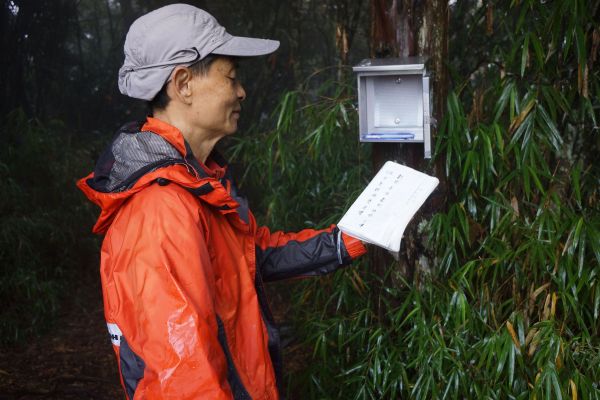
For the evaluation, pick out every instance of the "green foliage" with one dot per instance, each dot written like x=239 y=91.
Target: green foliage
x=309 y=163
x=511 y=306
x=41 y=217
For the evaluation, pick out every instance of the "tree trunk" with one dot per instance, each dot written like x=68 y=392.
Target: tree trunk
x=401 y=28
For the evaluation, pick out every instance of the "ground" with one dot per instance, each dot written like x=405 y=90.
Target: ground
x=74 y=360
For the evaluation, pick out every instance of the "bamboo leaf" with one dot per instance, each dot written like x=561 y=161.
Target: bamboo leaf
x=511 y=366
x=536 y=180
x=513 y=334
x=525 y=55
x=503 y=100
x=516 y=123
x=573 y=388
x=556 y=386
x=554 y=136
x=537 y=48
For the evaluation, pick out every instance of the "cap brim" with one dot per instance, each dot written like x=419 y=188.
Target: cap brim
x=246 y=47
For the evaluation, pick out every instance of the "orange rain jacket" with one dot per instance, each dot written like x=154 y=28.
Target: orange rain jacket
x=182 y=266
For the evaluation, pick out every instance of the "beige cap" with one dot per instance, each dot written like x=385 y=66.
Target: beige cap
x=177 y=34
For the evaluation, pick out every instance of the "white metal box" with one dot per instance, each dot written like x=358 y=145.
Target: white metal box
x=394 y=101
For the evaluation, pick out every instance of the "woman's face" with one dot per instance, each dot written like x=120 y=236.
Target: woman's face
x=217 y=98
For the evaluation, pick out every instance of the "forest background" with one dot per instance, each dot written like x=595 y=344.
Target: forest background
x=502 y=299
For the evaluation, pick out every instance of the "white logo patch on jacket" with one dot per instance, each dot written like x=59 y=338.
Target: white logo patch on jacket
x=114 y=333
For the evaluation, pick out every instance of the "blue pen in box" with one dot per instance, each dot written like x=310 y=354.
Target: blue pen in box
x=390 y=136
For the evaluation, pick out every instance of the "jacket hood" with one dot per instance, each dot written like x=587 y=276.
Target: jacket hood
x=143 y=153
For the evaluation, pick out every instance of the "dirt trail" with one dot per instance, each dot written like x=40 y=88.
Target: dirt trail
x=74 y=360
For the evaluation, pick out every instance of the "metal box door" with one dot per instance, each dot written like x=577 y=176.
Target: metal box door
x=397 y=104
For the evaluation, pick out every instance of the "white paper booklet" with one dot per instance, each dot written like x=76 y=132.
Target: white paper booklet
x=383 y=210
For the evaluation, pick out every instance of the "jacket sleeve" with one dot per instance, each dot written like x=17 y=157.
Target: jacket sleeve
x=160 y=297
x=306 y=253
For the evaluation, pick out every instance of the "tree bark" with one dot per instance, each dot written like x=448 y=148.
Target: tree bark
x=401 y=28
